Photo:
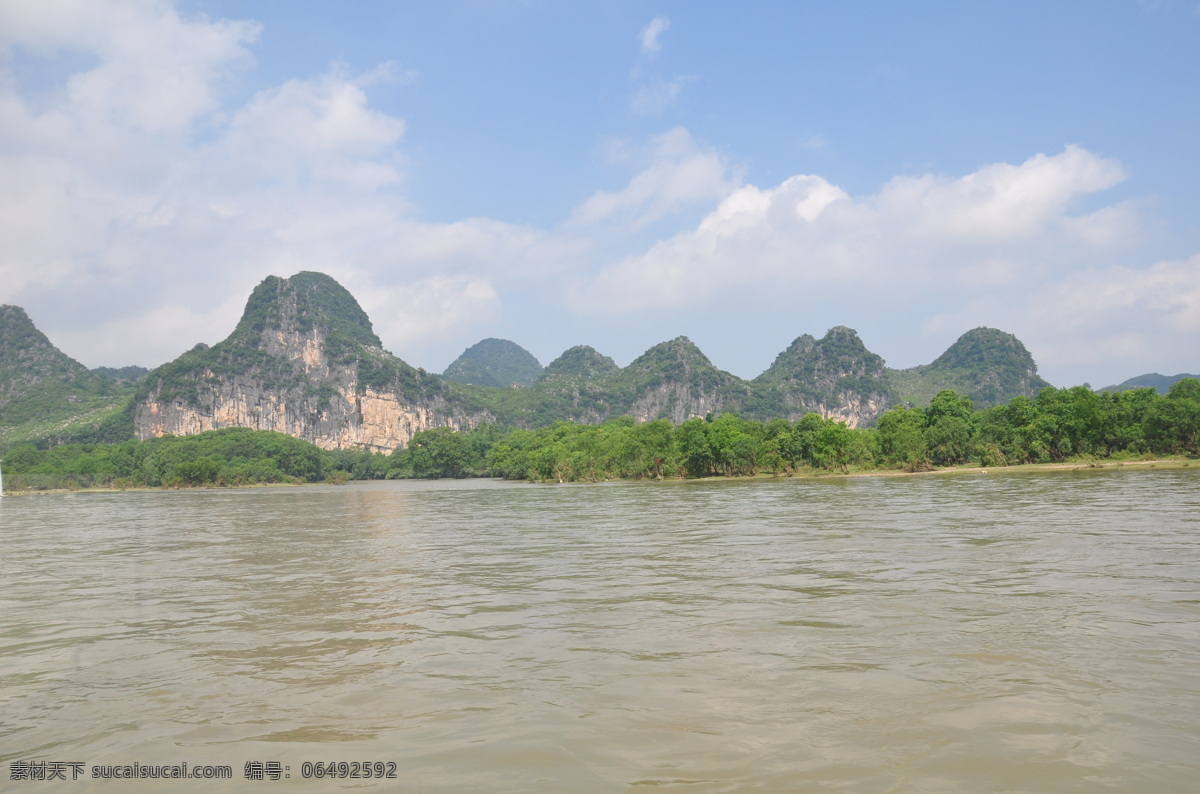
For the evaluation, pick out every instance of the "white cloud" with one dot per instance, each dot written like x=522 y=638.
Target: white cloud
x=139 y=205
x=156 y=71
x=319 y=128
x=161 y=330
x=651 y=33
x=680 y=172
x=411 y=314
x=917 y=234
x=1141 y=319
x=108 y=204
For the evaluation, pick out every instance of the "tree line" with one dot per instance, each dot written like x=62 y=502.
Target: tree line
x=1057 y=425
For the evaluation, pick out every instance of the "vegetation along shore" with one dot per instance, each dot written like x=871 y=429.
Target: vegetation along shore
x=1057 y=426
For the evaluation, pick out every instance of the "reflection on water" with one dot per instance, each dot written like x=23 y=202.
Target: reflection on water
x=1031 y=633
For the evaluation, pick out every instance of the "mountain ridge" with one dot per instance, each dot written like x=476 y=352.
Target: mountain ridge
x=304 y=359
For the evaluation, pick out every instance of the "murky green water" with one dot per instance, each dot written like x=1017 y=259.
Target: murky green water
x=971 y=633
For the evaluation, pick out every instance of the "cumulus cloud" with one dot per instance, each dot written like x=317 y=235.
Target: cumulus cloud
x=651 y=33
x=679 y=172
x=1083 y=321
x=156 y=72
x=134 y=195
x=412 y=313
x=915 y=234
x=139 y=205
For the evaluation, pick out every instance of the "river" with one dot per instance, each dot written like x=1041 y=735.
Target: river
x=1004 y=632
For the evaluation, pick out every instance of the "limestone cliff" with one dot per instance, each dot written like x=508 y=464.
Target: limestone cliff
x=835 y=376
x=304 y=361
x=675 y=381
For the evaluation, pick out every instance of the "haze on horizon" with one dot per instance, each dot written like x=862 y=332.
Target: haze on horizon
x=611 y=174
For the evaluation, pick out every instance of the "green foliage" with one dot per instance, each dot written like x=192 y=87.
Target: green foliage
x=581 y=361
x=1152 y=380
x=498 y=363
x=902 y=438
x=819 y=372
x=985 y=364
x=48 y=397
x=442 y=452
x=235 y=456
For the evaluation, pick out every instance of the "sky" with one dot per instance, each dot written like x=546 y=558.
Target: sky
x=612 y=173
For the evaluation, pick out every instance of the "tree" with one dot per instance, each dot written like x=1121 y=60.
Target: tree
x=902 y=438
x=443 y=452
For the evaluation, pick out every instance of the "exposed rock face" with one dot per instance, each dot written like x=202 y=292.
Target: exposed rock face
x=835 y=376
x=675 y=381
x=302 y=361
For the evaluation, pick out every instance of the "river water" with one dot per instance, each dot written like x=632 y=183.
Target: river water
x=1005 y=632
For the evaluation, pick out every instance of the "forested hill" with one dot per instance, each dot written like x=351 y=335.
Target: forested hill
x=1152 y=380
x=498 y=363
x=44 y=393
x=304 y=360
x=987 y=365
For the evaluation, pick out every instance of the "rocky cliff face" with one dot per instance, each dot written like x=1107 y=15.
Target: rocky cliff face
x=676 y=381
x=835 y=376
x=302 y=361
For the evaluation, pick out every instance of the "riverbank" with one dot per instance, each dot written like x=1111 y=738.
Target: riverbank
x=1023 y=468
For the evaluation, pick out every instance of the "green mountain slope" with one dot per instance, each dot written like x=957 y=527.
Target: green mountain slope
x=47 y=396
x=498 y=363
x=304 y=360
x=835 y=375
x=1151 y=380
x=988 y=365
x=581 y=361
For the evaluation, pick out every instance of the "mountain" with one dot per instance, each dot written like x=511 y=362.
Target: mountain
x=835 y=376
x=674 y=380
x=1150 y=380
x=581 y=361
x=304 y=360
x=46 y=394
x=495 y=362
x=988 y=365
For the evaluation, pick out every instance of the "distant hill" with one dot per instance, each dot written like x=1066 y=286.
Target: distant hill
x=1152 y=380
x=833 y=376
x=305 y=360
x=47 y=395
x=498 y=363
x=120 y=374
x=674 y=380
x=581 y=361
x=986 y=364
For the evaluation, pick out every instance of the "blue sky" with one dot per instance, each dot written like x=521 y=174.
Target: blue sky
x=612 y=174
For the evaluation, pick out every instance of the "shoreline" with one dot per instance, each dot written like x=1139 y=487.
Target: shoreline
x=1021 y=468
